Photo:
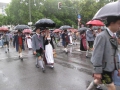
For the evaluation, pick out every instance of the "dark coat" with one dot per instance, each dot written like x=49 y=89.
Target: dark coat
x=65 y=39
x=16 y=42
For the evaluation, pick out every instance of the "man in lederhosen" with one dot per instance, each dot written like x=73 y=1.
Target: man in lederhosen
x=18 y=42
x=38 y=48
x=6 y=40
x=105 y=55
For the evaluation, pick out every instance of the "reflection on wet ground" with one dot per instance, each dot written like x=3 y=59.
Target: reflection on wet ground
x=73 y=67
x=74 y=58
x=74 y=62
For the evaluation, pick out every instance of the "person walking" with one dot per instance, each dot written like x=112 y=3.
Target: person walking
x=65 y=40
x=98 y=31
x=29 y=41
x=49 y=49
x=38 y=48
x=6 y=40
x=90 y=36
x=74 y=38
x=18 y=42
x=105 y=55
x=70 y=37
x=83 y=42
x=57 y=38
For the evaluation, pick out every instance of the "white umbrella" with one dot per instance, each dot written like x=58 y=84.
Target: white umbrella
x=110 y=9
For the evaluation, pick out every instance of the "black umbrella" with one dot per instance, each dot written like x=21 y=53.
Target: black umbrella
x=65 y=27
x=82 y=30
x=21 y=27
x=45 y=23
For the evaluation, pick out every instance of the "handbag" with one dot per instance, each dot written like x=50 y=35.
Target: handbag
x=54 y=54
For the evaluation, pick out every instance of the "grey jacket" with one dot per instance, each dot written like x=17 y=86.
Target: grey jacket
x=6 y=38
x=103 y=54
x=37 y=42
x=89 y=35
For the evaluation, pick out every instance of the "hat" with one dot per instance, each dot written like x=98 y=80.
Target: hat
x=41 y=29
x=19 y=31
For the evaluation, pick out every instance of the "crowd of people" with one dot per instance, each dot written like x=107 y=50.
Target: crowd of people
x=43 y=41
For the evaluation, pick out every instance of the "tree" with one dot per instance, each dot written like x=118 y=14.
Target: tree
x=18 y=13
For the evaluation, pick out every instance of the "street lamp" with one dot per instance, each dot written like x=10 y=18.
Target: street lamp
x=30 y=10
x=28 y=3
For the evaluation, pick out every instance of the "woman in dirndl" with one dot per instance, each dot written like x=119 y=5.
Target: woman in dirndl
x=49 y=50
x=29 y=41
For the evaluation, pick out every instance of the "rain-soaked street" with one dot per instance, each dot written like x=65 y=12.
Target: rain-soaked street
x=72 y=71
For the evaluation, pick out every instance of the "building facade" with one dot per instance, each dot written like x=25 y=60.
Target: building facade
x=2 y=8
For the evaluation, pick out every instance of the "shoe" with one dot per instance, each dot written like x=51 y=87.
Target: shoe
x=5 y=51
x=37 y=66
x=52 y=67
x=8 y=50
x=21 y=58
x=66 y=52
x=87 y=57
x=43 y=70
x=99 y=88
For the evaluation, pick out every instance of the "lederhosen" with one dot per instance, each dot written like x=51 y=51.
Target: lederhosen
x=106 y=75
x=39 y=51
x=5 y=38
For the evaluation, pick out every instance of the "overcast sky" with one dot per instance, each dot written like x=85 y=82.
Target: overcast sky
x=5 y=1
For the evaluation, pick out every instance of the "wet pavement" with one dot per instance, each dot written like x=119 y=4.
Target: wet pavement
x=72 y=71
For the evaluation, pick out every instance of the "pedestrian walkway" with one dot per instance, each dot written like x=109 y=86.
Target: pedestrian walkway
x=71 y=72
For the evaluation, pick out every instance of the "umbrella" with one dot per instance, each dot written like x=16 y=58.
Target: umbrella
x=21 y=27
x=82 y=30
x=110 y=9
x=27 y=31
x=95 y=23
x=45 y=23
x=57 y=30
x=4 y=28
x=65 y=27
x=73 y=30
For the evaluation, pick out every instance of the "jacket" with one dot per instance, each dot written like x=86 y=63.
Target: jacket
x=105 y=56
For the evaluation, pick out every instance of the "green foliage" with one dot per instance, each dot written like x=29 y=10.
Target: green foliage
x=18 y=13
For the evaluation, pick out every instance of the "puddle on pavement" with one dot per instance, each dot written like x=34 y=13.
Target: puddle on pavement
x=3 y=77
x=78 y=63
x=89 y=72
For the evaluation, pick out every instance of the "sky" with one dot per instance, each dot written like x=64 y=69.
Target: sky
x=5 y=1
